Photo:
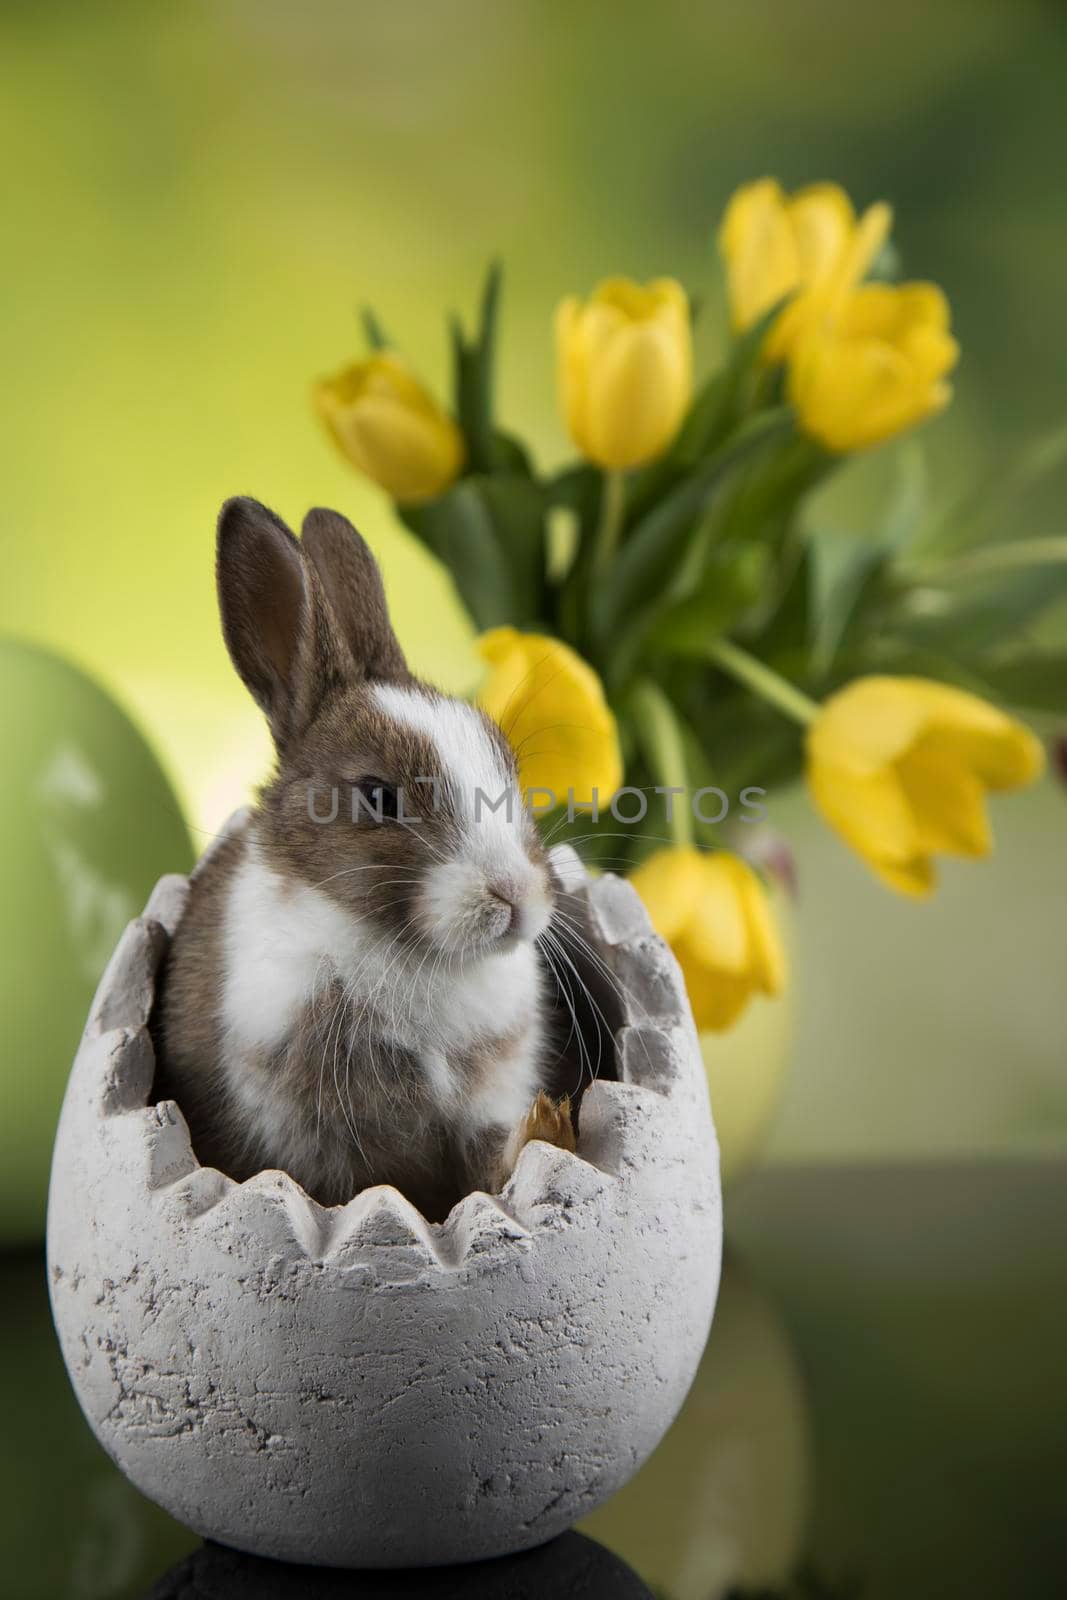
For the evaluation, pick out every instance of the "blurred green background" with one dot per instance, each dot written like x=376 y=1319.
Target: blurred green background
x=196 y=200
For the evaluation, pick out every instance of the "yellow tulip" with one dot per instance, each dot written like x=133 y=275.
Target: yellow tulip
x=388 y=426
x=713 y=911
x=551 y=705
x=625 y=369
x=809 y=245
x=874 y=368
x=900 y=766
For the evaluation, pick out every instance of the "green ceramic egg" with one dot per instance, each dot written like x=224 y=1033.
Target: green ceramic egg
x=88 y=822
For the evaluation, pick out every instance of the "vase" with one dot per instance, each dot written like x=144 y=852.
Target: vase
x=748 y=1066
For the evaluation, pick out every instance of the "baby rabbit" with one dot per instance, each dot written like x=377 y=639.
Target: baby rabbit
x=353 y=994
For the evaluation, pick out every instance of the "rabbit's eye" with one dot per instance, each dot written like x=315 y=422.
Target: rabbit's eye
x=373 y=800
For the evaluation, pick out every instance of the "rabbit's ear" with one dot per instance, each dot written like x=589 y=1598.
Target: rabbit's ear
x=353 y=584
x=278 y=628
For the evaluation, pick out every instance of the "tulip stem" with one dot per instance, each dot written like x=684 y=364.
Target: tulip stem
x=609 y=525
x=762 y=680
x=661 y=738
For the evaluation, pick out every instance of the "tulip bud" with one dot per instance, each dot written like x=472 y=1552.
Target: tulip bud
x=810 y=246
x=876 y=367
x=714 y=913
x=551 y=705
x=625 y=363
x=900 y=768
x=388 y=426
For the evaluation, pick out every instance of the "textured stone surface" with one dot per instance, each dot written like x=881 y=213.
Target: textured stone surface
x=355 y=1385
x=167 y=901
x=617 y=910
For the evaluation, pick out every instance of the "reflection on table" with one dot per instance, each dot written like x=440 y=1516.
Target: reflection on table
x=571 y=1567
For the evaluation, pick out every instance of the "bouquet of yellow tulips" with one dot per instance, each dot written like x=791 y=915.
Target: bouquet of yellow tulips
x=660 y=621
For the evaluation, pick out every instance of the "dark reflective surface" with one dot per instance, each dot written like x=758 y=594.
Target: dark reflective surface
x=881 y=1413
x=572 y=1567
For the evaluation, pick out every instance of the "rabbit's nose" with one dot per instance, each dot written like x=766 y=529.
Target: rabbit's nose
x=508 y=897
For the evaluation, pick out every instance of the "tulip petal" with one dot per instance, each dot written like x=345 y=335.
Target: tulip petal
x=391 y=428
x=766 y=954
x=870 y=723
x=624 y=369
x=899 y=767
x=718 y=930
x=640 y=302
x=638 y=389
x=822 y=220
x=669 y=298
x=759 y=246
x=1002 y=751
x=853 y=393
x=410 y=456
x=551 y=705
x=717 y=998
x=874 y=365
x=915 y=877
x=875 y=720
x=713 y=911
x=868 y=810
x=869 y=236
x=890 y=310
x=669 y=882
x=809 y=245
x=946 y=801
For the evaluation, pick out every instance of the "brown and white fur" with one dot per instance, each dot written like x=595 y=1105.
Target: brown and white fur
x=359 y=1002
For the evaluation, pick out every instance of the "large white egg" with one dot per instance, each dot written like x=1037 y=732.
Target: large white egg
x=356 y=1386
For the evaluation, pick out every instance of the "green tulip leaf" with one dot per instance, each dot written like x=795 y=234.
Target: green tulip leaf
x=752 y=743
x=577 y=490
x=657 y=541
x=849 y=578
x=975 y=517
x=510 y=455
x=852 y=576
x=516 y=506
x=765 y=496
x=474 y=361
x=708 y=420
x=725 y=396
x=909 y=498
x=786 y=637
x=977 y=613
x=489 y=533
x=373 y=330
x=732 y=580
x=670 y=756
x=903 y=659
x=1029 y=682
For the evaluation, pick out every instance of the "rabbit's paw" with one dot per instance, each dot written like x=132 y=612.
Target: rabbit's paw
x=546 y=1119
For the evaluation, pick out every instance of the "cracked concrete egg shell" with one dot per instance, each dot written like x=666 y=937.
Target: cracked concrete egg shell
x=356 y=1386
